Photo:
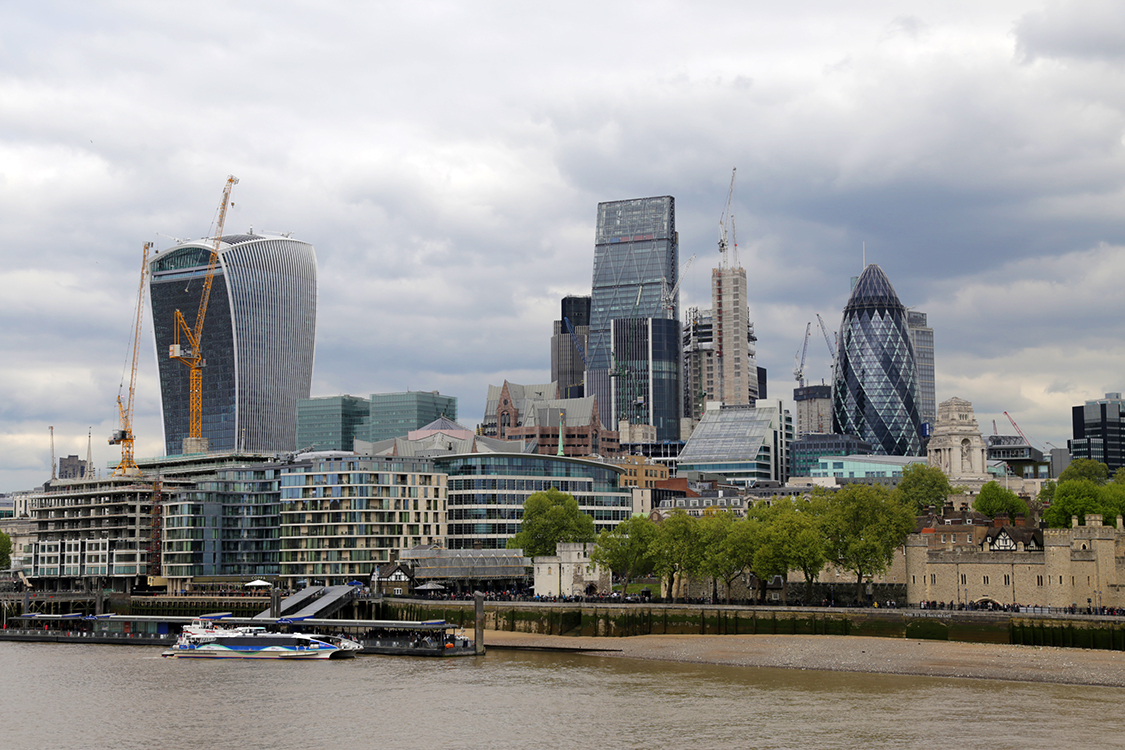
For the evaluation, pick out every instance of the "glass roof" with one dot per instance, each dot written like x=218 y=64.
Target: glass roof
x=730 y=434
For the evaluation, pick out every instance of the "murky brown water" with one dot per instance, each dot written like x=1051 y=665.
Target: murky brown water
x=85 y=696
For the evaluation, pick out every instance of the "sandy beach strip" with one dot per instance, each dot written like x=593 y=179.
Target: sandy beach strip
x=848 y=654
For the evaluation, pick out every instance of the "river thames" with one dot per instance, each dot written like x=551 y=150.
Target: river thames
x=62 y=696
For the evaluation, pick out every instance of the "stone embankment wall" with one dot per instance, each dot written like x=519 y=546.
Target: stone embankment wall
x=672 y=619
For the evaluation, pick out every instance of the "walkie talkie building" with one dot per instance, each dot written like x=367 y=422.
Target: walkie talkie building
x=258 y=339
x=875 y=389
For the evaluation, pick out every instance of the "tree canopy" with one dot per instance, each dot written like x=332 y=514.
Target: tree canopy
x=923 y=485
x=676 y=548
x=5 y=551
x=550 y=517
x=626 y=550
x=863 y=525
x=995 y=500
x=1085 y=468
x=1081 y=497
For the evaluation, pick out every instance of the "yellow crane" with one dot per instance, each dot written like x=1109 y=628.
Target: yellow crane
x=124 y=435
x=192 y=354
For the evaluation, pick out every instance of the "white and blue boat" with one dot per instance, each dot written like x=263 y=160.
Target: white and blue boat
x=204 y=639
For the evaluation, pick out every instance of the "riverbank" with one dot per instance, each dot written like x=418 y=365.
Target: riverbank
x=1066 y=666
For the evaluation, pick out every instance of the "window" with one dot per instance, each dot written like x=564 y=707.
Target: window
x=933 y=578
x=986 y=580
x=964 y=579
x=1038 y=580
x=1007 y=580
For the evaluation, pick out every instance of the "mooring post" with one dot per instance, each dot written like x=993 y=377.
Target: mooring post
x=275 y=602
x=478 y=642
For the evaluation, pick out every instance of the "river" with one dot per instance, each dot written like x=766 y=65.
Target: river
x=63 y=696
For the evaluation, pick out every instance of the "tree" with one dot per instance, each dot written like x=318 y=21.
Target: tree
x=1075 y=497
x=994 y=500
x=676 y=549
x=626 y=549
x=1119 y=476
x=863 y=525
x=791 y=539
x=718 y=560
x=1085 y=468
x=550 y=517
x=5 y=551
x=923 y=485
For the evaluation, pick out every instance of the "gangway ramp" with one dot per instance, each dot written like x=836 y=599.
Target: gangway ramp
x=293 y=602
x=327 y=603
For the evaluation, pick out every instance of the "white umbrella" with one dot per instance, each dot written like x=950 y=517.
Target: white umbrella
x=258 y=582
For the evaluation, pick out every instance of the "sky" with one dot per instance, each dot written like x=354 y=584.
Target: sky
x=446 y=161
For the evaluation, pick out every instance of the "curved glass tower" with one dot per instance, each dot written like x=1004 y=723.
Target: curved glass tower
x=258 y=339
x=875 y=386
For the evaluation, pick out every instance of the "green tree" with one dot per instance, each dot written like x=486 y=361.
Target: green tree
x=1119 y=476
x=994 y=500
x=676 y=549
x=5 y=551
x=791 y=539
x=717 y=561
x=626 y=549
x=863 y=524
x=550 y=517
x=1085 y=468
x=1074 y=497
x=740 y=546
x=922 y=485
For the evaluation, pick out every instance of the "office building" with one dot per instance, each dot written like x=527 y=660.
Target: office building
x=636 y=266
x=922 y=339
x=1098 y=429
x=744 y=444
x=646 y=386
x=806 y=451
x=734 y=336
x=814 y=409
x=258 y=339
x=395 y=414
x=568 y=367
x=701 y=380
x=332 y=423
x=875 y=392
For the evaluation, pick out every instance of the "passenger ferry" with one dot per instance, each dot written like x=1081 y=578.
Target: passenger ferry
x=205 y=639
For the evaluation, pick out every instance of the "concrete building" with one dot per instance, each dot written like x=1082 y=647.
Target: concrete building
x=734 y=336
x=641 y=472
x=332 y=423
x=1021 y=458
x=875 y=391
x=701 y=378
x=956 y=446
x=569 y=572
x=258 y=339
x=568 y=368
x=1098 y=429
x=395 y=414
x=813 y=406
x=744 y=444
x=72 y=467
x=636 y=262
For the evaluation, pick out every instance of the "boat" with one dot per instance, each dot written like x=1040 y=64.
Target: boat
x=206 y=639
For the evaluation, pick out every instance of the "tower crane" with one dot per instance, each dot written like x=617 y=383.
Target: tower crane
x=576 y=342
x=124 y=435
x=726 y=223
x=668 y=296
x=799 y=370
x=192 y=354
x=1018 y=430
x=824 y=330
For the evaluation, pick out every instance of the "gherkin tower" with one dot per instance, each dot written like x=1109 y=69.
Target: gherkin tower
x=875 y=386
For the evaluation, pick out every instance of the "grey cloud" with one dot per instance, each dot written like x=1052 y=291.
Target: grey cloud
x=1090 y=30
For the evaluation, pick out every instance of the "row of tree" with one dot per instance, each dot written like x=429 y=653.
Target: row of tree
x=856 y=528
x=1085 y=487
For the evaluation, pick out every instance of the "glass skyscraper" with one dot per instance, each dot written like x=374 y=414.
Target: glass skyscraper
x=636 y=258
x=258 y=339
x=646 y=389
x=875 y=391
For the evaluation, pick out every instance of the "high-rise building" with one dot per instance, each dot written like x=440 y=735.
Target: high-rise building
x=646 y=389
x=875 y=392
x=567 y=366
x=636 y=264
x=395 y=414
x=258 y=339
x=700 y=379
x=814 y=409
x=1099 y=431
x=922 y=338
x=734 y=336
x=332 y=423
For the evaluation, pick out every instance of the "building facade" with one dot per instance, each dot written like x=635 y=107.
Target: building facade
x=701 y=378
x=332 y=423
x=1098 y=429
x=646 y=380
x=258 y=339
x=636 y=262
x=735 y=341
x=956 y=446
x=814 y=409
x=744 y=444
x=805 y=452
x=922 y=339
x=396 y=414
x=568 y=366
x=875 y=390
x=487 y=492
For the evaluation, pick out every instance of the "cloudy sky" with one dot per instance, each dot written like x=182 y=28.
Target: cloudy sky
x=446 y=160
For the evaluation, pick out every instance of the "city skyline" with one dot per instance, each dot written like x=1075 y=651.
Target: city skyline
x=976 y=152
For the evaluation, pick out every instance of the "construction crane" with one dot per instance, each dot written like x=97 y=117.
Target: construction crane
x=799 y=370
x=827 y=340
x=192 y=354
x=726 y=225
x=668 y=296
x=1018 y=430
x=577 y=343
x=124 y=435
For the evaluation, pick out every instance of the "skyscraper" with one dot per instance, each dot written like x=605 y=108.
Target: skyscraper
x=1099 y=431
x=258 y=339
x=636 y=262
x=922 y=338
x=647 y=387
x=567 y=367
x=734 y=335
x=396 y=414
x=875 y=393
